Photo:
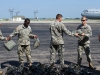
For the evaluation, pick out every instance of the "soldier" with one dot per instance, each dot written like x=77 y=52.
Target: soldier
x=83 y=42
x=57 y=43
x=1 y=36
x=24 y=34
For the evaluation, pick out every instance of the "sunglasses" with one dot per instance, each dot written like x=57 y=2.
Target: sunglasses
x=83 y=20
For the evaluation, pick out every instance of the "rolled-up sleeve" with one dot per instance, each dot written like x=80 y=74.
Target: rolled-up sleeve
x=14 y=33
x=31 y=35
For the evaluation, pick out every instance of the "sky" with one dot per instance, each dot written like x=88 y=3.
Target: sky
x=47 y=8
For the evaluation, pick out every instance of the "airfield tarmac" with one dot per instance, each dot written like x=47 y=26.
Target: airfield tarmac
x=41 y=54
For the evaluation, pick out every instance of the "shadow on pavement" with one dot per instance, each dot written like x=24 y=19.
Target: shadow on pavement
x=9 y=63
x=97 y=72
x=13 y=63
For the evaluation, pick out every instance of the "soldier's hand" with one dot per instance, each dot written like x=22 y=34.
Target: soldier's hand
x=35 y=36
x=82 y=34
x=8 y=38
x=76 y=34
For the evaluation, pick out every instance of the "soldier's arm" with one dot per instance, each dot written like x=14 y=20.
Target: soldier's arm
x=1 y=36
x=66 y=31
x=52 y=31
x=14 y=33
x=89 y=32
x=32 y=36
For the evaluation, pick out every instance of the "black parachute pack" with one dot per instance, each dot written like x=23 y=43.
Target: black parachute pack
x=47 y=69
x=21 y=70
x=75 y=69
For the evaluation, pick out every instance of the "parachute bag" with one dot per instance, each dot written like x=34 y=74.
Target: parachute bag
x=9 y=45
x=79 y=31
x=36 y=43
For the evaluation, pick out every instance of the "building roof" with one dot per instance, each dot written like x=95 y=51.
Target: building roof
x=18 y=16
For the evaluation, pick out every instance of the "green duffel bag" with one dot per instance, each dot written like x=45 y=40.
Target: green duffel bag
x=36 y=43
x=9 y=45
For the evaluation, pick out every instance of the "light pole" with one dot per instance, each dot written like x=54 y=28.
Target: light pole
x=35 y=11
x=11 y=13
x=17 y=13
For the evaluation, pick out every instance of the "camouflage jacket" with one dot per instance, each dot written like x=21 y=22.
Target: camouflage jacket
x=1 y=36
x=56 y=31
x=87 y=31
x=24 y=34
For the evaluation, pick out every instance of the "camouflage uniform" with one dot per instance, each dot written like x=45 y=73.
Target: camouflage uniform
x=24 y=35
x=83 y=42
x=57 y=42
x=1 y=36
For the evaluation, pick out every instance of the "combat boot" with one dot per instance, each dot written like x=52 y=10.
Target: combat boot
x=52 y=65
x=52 y=62
x=30 y=64
x=91 y=66
x=22 y=63
x=62 y=66
x=79 y=62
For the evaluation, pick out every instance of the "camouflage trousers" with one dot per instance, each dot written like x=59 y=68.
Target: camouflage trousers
x=27 y=50
x=57 y=49
x=87 y=50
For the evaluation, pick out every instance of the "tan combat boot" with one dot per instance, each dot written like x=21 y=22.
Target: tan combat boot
x=22 y=63
x=79 y=61
x=90 y=65
x=30 y=64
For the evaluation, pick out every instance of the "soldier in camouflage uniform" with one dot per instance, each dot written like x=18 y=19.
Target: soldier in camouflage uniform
x=83 y=42
x=1 y=36
x=24 y=34
x=57 y=43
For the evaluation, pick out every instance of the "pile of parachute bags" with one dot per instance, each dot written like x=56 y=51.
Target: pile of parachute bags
x=45 y=69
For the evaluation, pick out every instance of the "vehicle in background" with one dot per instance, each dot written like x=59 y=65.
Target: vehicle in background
x=91 y=13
